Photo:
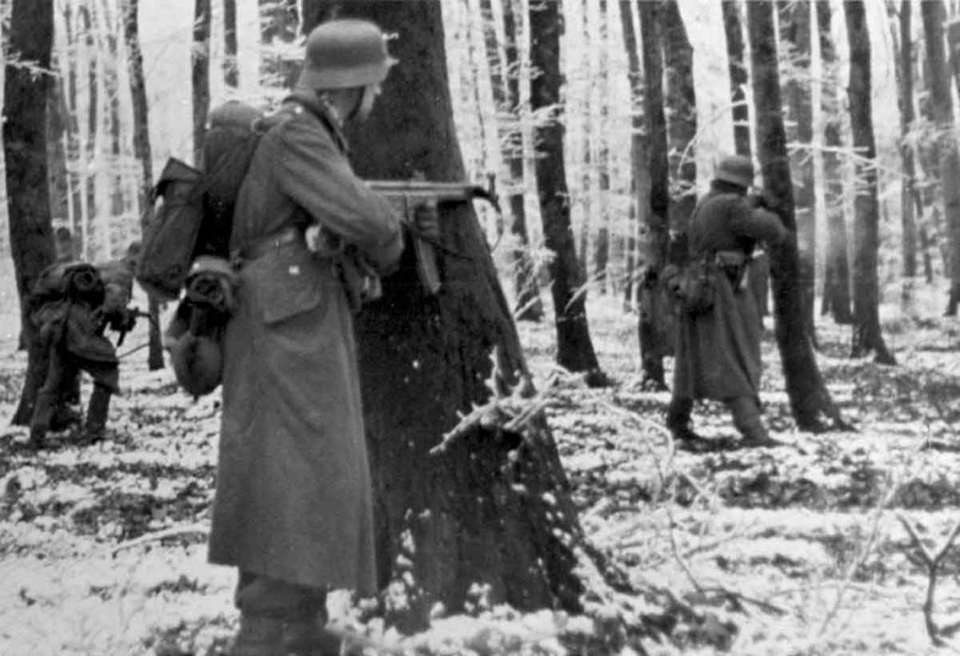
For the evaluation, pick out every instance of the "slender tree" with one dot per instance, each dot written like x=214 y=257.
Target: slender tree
x=795 y=34
x=638 y=170
x=680 y=100
x=836 y=283
x=574 y=346
x=231 y=69
x=200 y=73
x=812 y=407
x=867 y=337
x=143 y=152
x=653 y=315
x=601 y=248
x=733 y=30
x=477 y=511
x=941 y=107
x=26 y=89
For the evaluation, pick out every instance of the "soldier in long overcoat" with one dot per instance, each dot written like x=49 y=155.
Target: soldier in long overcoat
x=293 y=508
x=718 y=352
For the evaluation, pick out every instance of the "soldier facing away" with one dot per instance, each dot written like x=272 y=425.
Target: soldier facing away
x=718 y=352
x=293 y=510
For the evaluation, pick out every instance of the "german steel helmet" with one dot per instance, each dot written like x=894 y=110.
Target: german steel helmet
x=345 y=53
x=735 y=169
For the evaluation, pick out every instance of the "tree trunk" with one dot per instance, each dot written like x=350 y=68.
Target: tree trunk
x=278 y=28
x=638 y=168
x=492 y=508
x=809 y=399
x=795 y=35
x=231 y=68
x=143 y=152
x=681 y=103
x=574 y=346
x=601 y=247
x=652 y=337
x=200 y=78
x=91 y=149
x=25 y=145
x=836 y=281
x=57 y=139
x=733 y=29
x=529 y=307
x=941 y=106
x=867 y=337
x=903 y=51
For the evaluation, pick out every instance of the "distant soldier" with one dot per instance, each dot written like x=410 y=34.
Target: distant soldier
x=70 y=339
x=718 y=352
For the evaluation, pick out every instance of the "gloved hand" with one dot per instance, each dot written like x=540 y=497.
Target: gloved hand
x=426 y=221
x=124 y=320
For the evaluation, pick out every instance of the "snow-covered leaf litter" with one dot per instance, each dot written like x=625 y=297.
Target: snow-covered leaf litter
x=790 y=544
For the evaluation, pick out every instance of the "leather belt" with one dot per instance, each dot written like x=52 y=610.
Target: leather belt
x=272 y=242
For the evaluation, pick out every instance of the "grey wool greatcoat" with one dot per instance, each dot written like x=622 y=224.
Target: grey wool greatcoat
x=293 y=493
x=718 y=353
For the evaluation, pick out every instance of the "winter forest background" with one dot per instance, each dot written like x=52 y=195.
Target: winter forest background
x=557 y=517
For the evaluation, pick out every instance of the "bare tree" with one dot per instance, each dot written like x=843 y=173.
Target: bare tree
x=737 y=65
x=941 y=107
x=200 y=74
x=812 y=407
x=143 y=152
x=26 y=89
x=653 y=315
x=231 y=69
x=836 y=283
x=867 y=337
x=680 y=100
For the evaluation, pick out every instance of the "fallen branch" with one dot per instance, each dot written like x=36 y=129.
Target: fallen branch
x=932 y=562
x=172 y=532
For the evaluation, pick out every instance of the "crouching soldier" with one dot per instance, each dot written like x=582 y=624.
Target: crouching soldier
x=71 y=339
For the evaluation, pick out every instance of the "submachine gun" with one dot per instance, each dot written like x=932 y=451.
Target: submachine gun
x=407 y=195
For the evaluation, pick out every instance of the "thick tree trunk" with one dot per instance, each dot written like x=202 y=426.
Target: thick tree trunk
x=796 y=38
x=25 y=145
x=200 y=74
x=733 y=30
x=867 y=337
x=680 y=100
x=941 y=106
x=836 y=281
x=143 y=152
x=493 y=507
x=574 y=346
x=653 y=314
x=231 y=68
x=809 y=399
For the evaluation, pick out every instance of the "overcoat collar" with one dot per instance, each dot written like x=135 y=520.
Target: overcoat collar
x=322 y=110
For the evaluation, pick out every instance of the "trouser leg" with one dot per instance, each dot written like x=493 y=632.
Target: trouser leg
x=745 y=411
x=98 y=407
x=678 y=417
x=278 y=617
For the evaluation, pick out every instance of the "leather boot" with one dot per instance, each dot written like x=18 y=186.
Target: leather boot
x=96 y=425
x=307 y=637
x=259 y=636
x=678 y=419
x=746 y=417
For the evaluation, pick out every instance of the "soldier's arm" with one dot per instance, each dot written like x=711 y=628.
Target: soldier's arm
x=313 y=172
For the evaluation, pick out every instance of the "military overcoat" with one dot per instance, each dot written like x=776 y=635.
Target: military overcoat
x=718 y=353
x=293 y=492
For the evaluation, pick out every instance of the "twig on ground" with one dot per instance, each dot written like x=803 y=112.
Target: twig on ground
x=172 y=532
x=932 y=562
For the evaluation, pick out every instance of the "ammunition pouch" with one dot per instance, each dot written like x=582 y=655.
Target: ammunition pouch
x=733 y=264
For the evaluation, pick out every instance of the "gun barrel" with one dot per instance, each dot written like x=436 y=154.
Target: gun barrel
x=439 y=191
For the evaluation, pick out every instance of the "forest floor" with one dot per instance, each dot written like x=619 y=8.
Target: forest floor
x=799 y=549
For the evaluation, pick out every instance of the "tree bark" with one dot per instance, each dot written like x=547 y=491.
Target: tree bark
x=200 y=75
x=836 y=283
x=638 y=167
x=796 y=37
x=143 y=152
x=231 y=68
x=867 y=337
x=737 y=65
x=909 y=196
x=941 y=106
x=26 y=88
x=810 y=402
x=493 y=507
x=680 y=99
x=574 y=346
x=653 y=315
x=601 y=247
x=57 y=139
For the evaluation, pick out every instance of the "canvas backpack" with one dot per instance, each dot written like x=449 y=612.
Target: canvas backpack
x=194 y=211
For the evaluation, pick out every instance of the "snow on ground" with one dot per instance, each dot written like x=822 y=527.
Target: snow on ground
x=802 y=547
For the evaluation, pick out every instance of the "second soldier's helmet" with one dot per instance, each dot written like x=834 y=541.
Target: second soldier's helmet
x=345 y=53
x=735 y=169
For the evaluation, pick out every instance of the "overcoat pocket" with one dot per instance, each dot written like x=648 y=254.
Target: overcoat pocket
x=290 y=284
